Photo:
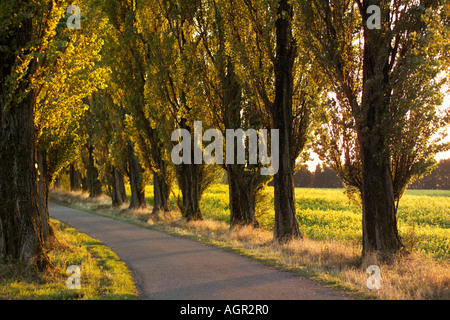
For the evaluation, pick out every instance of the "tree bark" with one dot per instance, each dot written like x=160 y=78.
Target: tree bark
x=84 y=184
x=118 y=194
x=286 y=224
x=242 y=195
x=153 y=157
x=189 y=180
x=137 y=186
x=94 y=184
x=379 y=222
x=189 y=183
x=75 y=178
x=161 y=192
x=21 y=229
x=44 y=180
x=161 y=184
x=57 y=183
x=241 y=186
x=21 y=235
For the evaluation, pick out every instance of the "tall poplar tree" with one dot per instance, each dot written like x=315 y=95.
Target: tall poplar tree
x=230 y=107
x=384 y=62
x=127 y=55
x=278 y=71
x=20 y=223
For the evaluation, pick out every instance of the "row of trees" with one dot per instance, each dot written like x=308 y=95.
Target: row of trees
x=321 y=177
x=324 y=177
x=104 y=100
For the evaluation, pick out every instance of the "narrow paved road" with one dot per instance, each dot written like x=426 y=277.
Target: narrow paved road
x=174 y=268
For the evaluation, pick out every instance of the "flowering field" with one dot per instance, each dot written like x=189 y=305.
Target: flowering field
x=423 y=216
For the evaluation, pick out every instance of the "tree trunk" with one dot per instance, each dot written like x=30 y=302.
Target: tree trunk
x=136 y=180
x=161 y=184
x=161 y=192
x=118 y=194
x=57 y=184
x=189 y=184
x=44 y=181
x=379 y=220
x=21 y=229
x=242 y=195
x=380 y=232
x=188 y=176
x=75 y=178
x=154 y=162
x=241 y=185
x=94 y=184
x=286 y=224
x=21 y=239
x=84 y=184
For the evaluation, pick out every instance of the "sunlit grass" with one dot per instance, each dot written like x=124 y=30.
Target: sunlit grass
x=103 y=275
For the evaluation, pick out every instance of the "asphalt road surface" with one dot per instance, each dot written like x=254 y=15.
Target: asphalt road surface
x=167 y=267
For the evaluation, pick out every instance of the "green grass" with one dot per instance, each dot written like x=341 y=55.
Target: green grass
x=103 y=275
x=327 y=214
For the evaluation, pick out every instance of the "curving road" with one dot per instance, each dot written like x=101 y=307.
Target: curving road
x=166 y=267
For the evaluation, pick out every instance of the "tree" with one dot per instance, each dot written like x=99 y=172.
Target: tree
x=115 y=150
x=128 y=55
x=74 y=178
x=325 y=177
x=438 y=179
x=171 y=34
x=20 y=223
x=126 y=87
x=280 y=74
x=230 y=107
x=32 y=45
x=109 y=145
x=303 y=178
x=69 y=72
x=386 y=87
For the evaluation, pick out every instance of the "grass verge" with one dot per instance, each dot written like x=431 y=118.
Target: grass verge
x=332 y=263
x=103 y=276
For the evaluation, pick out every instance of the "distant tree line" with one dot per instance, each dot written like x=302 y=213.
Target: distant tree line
x=438 y=179
x=324 y=177
x=321 y=177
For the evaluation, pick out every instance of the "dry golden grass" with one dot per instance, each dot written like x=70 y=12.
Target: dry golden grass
x=411 y=277
x=408 y=277
x=81 y=198
x=334 y=263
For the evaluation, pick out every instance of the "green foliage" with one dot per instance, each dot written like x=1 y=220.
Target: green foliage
x=68 y=72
